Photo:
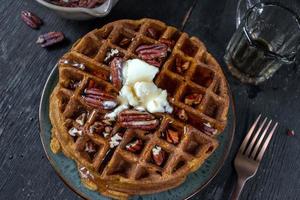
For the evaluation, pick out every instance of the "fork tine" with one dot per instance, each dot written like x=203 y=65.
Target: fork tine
x=264 y=147
x=250 y=146
x=243 y=146
x=260 y=140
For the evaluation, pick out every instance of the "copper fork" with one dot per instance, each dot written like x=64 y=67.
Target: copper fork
x=251 y=152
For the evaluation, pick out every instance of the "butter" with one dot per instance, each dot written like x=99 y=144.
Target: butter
x=139 y=90
x=129 y=96
x=135 y=70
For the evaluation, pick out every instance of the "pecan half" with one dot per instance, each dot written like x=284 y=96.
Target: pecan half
x=137 y=120
x=116 y=72
x=99 y=99
x=208 y=129
x=134 y=146
x=31 y=19
x=153 y=54
x=193 y=99
x=172 y=136
x=49 y=39
x=181 y=66
x=158 y=155
x=164 y=125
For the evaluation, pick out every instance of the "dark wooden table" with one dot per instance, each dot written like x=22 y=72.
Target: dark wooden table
x=25 y=172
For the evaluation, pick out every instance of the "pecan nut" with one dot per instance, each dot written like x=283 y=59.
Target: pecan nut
x=134 y=146
x=181 y=66
x=137 y=120
x=172 y=136
x=193 y=99
x=99 y=99
x=49 y=39
x=208 y=129
x=153 y=54
x=116 y=67
x=31 y=19
x=164 y=125
x=158 y=155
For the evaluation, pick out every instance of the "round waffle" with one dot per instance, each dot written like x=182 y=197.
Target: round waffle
x=119 y=160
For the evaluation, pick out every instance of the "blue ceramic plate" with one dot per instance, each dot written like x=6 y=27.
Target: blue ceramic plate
x=67 y=171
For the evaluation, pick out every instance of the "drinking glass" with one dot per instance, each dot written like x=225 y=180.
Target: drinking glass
x=267 y=37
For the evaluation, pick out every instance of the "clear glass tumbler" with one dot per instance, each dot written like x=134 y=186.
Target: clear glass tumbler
x=267 y=38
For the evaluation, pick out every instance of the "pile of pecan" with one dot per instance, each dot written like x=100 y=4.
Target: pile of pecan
x=34 y=22
x=78 y=3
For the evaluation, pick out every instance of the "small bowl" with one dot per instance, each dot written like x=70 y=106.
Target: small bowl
x=79 y=13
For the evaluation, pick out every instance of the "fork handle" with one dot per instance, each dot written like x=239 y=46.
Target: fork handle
x=238 y=188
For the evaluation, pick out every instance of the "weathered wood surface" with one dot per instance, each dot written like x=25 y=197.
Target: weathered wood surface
x=26 y=173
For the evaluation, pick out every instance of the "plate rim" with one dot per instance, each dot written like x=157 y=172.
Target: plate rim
x=214 y=173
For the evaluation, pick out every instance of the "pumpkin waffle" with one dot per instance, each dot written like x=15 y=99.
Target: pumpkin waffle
x=148 y=152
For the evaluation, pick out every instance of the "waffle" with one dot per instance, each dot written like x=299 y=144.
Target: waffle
x=118 y=161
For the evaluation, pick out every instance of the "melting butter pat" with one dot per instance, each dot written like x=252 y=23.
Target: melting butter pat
x=135 y=70
x=139 y=91
x=151 y=97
